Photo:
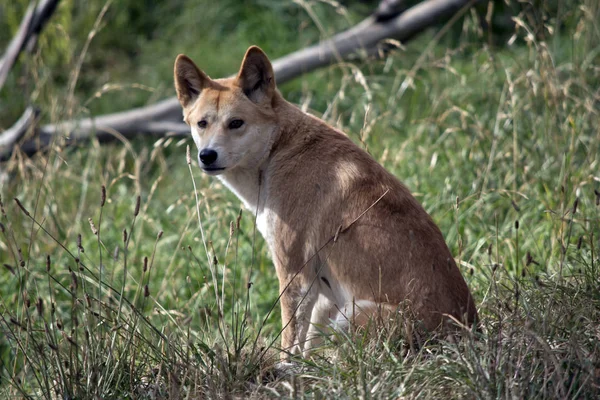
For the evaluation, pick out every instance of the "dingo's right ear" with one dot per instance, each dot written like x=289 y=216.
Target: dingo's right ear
x=189 y=80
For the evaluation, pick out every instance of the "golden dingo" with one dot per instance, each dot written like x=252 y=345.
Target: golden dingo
x=347 y=238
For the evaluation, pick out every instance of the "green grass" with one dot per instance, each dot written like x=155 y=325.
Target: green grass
x=501 y=145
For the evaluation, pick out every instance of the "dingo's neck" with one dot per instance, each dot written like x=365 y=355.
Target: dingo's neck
x=246 y=185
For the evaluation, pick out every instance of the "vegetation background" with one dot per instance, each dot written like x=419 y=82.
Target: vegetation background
x=108 y=290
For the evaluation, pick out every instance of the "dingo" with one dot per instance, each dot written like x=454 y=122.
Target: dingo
x=346 y=237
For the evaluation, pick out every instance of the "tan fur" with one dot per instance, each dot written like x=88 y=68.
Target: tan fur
x=308 y=184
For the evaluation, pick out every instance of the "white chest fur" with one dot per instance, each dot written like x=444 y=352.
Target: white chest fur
x=264 y=223
x=253 y=193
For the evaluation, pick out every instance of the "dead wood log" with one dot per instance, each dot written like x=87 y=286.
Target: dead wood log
x=165 y=118
x=16 y=45
x=10 y=136
x=365 y=36
x=32 y=24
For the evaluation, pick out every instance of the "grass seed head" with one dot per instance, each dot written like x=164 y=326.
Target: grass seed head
x=93 y=227
x=22 y=207
x=103 y=196
x=10 y=269
x=515 y=206
x=48 y=262
x=20 y=255
x=124 y=235
x=146 y=291
x=73 y=343
x=40 y=306
x=73 y=281
x=188 y=157
x=137 y=206
x=79 y=246
x=145 y=264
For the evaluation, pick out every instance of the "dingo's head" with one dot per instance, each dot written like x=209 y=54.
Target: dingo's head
x=232 y=120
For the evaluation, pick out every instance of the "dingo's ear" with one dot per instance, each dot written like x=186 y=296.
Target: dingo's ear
x=189 y=80
x=256 y=76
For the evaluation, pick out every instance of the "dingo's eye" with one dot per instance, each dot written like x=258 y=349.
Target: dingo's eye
x=236 y=123
x=202 y=124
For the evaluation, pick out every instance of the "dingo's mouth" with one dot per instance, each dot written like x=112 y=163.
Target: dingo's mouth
x=212 y=170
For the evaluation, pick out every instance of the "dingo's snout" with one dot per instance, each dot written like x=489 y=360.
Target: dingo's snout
x=207 y=157
x=207 y=160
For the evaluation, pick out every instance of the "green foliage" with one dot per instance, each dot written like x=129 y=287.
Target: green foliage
x=500 y=144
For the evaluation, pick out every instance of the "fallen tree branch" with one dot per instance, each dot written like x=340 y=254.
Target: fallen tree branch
x=10 y=136
x=32 y=24
x=365 y=36
x=16 y=45
x=165 y=117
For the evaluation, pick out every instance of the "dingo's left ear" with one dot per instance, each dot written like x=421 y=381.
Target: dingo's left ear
x=189 y=80
x=256 y=76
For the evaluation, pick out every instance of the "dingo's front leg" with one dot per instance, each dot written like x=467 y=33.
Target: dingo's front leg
x=297 y=301
x=323 y=310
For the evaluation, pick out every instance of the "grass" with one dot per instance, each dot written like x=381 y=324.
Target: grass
x=100 y=296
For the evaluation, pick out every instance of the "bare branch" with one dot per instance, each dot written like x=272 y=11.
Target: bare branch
x=389 y=9
x=365 y=36
x=10 y=136
x=32 y=24
x=16 y=45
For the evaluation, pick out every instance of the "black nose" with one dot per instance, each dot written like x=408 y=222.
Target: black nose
x=208 y=156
